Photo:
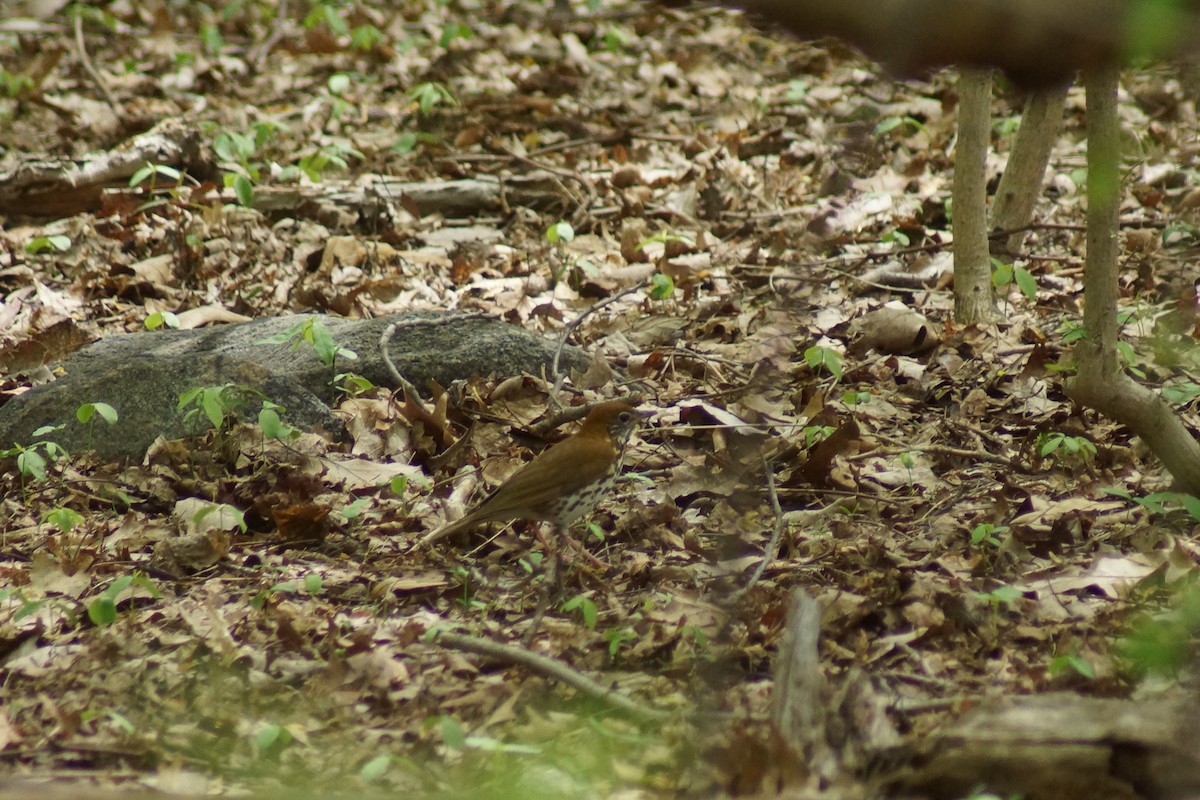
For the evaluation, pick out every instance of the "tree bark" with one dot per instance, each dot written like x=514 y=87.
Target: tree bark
x=1100 y=382
x=1021 y=184
x=973 y=301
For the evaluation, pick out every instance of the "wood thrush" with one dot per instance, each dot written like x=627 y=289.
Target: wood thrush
x=562 y=483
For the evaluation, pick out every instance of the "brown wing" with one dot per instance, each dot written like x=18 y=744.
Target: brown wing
x=565 y=468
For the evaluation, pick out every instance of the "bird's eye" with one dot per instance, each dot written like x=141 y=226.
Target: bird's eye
x=625 y=416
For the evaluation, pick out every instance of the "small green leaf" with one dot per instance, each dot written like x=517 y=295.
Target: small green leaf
x=452 y=31
x=64 y=519
x=1026 y=282
x=1181 y=393
x=212 y=403
x=887 y=124
x=87 y=411
x=374 y=769
x=102 y=611
x=355 y=509
x=1063 y=664
x=272 y=738
x=1002 y=275
x=559 y=232
x=59 y=244
x=243 y=190
x=29 y=607
x=587 y=610
x=1004 y=594
x=32 y=464
x=210 y=37
x=160 y=318
x=453 y=734
x=122 y=722
x=338 y=83
x=824 y=358
x=271 y=425
x=366 y=37
x=661 y=286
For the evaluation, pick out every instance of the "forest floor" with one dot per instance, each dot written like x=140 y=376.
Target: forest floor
x=750 y=204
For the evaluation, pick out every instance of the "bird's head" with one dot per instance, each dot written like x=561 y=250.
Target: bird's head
x=615 y=420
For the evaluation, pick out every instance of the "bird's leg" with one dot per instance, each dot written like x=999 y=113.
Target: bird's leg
x=577 y=546
x=551 y=587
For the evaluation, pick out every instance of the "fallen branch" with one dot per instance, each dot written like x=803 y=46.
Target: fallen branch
x=547 y=668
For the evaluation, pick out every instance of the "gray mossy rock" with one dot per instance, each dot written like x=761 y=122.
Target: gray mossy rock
x=142 y=375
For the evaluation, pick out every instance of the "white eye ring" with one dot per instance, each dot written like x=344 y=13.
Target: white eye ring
x=625 y=416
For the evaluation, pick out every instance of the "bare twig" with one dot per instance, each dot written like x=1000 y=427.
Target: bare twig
x=589 y=189
x=91 y=70
x=401 y=381
x=558 y=378
x=899 y=448
x=261 y=50
x=548 y=668
x=776 y=532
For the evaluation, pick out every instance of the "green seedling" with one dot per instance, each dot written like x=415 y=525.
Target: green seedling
x=1060 y=446
x=661 y=286
x=335 y=156
x=15 y=86
x=352 y=384
x=813 y=434
x=1004 y=275
x=33 y=459
x=560 y=232
x=531 y=562
x=153 y=172
x=65 y=519
x=617 y=39
x=376 y=768
x=119 y=721
x=103 y=610
x=218 y=404
x=272 y=739
x=407 y=142
x=585 y=607
x=271 y=425
x=854 y=399
x=313 y=332
x=665 y=237
x=354 y=510
x=1000 y=596
x=366 y=38
x=1181 y=394
x=430 y=95
x=1062 y=665
x=454 y=30
x=87 y=413
x=1164 y=642
x=987 y=533
x=43 y=244
x=162 y=319
x=1162 y=502
x=819 y=358
x=462 y=575
x=327 y=15
x=617 y=637
x=889 y=124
